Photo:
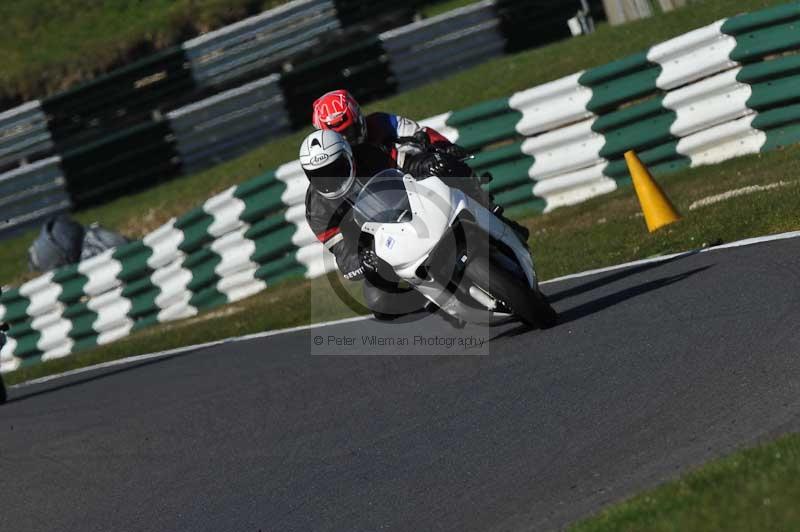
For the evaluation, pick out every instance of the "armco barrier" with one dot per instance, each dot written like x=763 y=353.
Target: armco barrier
x=359 y=12
x=30 y=193
x=125 y=97
x=354 y=60
x=437 y=46
x=261 y=43
x=231 y=247
x=528 y=23
x=317 y=45
x=32 y=187
x=227 y=124
x=122 y=162
x=24 y=136
x=568 y=135
x=109 y=132
x=718 y=92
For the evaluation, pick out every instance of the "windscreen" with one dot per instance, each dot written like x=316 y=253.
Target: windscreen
x=383 y=200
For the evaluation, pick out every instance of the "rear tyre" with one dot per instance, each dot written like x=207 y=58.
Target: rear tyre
x=528 y=304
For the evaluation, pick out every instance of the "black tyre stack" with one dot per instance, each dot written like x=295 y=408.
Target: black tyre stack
x=352 y=59
x=379 y=15
x=355 y=60
x=530 y=23
x=110 y=132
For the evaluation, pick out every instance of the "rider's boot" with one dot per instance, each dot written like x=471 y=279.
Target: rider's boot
x=521 y=231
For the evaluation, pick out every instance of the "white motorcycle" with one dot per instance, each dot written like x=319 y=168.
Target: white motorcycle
x=455 y=252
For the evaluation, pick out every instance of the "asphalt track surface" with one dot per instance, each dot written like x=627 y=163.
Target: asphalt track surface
x=656 y=368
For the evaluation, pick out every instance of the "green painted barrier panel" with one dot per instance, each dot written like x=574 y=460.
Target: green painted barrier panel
x=773 y=93
x=616 y=69
x=758 y=44
x=629 y=115
x=495 y=129
x=615 y=92
x=638 y=136
x=478 y=113
x=764 y=17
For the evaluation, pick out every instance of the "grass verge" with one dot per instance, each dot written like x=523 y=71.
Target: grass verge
x=604 y=231
x=137 y=214
x=50 y=45
x=438 y=7
x=754 y=489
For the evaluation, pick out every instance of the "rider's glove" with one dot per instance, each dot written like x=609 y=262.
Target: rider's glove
x=414 y=145
x=419 y=141
x=436 y=164
x=453 y=150
x=424 y=164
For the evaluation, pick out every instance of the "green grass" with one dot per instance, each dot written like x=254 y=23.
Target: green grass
x=248 y=316
x=754 y=489
x=137 y=214
x=604 y=231
x=609 y=229
x=49 y=45
x=442 y=6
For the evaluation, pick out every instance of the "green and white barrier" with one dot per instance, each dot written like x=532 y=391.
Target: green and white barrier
x=231 y=247
x=568 y=135
x=729 y=89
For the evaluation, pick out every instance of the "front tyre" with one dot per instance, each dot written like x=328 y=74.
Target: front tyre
x=528 y=304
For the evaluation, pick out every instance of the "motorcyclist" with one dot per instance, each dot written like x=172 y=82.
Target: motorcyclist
x=339 y=111
x=420 y=151
x=335 y=170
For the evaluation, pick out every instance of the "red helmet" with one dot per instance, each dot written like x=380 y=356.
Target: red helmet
x=339 y=111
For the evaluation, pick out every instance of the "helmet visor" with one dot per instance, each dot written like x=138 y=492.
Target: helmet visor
x=332 y=178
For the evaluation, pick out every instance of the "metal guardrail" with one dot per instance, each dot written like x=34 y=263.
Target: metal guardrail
x=31 y=193
x=23 y=135
x=31 y=188
x=228 y=124
x=566 y=138
x=109 y=131
x=260 y=43
x=437 y=46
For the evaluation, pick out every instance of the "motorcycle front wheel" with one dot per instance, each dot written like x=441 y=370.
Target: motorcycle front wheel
x=526 y=303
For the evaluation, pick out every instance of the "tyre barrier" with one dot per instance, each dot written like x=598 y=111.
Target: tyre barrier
x=728 y=89
x=311 y=46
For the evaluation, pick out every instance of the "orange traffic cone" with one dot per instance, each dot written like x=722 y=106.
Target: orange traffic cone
x=658 y=210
